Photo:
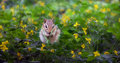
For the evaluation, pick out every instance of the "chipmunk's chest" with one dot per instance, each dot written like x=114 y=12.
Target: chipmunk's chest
x=49 y=37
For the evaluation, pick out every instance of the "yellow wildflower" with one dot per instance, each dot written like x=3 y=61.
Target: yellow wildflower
x=65 y=19
x=73 y=13
x=52 y=50
x=14 y=19
x=106 y=0
x=36 y=28
x=108 y=9
x=29 y=49
x=85 y=29
x=27 y=36
x=119 y=20
x=1 y=27
x=74 y=5
x=79 y=53
x=30 y=19
x=3 y=47
x=116 y=52
x=95 y=6
x=50 y=14
x=64 y=23
x=90 y=2
x=24 y=7
x=43 y=45
x=106 y=53
x=75 y=35
x=89 y=20
x=42 y=3
x=32 y=31
x=105 y=24
x=1 y=35
x=23 y=30
x=69 y=10
x=3 y=7
x=96 y=53
x=113 y=14
x=103 y=10
x=61 y=10
x=42 y=49
x=43 y=12
x=88 y=11
x=18 y=54
x=83 y=46
x=4 y=43
x=76 y=24
x=28 y=33
x=20 y=58
x=26 y=42
x=89 y=40
x=13 y=11
x=34 y=23
x=21 y=23
x=17 y=6
x=96 y=21
x=24 y=26
x=72 y=52
x=73 y=56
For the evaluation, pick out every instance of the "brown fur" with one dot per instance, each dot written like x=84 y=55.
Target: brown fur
x=46 y=29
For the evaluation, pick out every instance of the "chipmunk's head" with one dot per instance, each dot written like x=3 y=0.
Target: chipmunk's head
x=48 y=25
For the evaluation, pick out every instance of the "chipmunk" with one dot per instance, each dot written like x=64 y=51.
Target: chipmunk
x=49 y=31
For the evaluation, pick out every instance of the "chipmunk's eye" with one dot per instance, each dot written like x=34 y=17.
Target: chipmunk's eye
x=52 y=26
x=45 y=26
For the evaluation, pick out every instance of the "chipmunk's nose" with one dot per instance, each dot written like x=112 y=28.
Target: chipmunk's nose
x=49 y=32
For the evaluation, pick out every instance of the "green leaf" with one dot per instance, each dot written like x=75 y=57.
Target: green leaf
x=85 y=54
x=4 y=21
x=90 y=58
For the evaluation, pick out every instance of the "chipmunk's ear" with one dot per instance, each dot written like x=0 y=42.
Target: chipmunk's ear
x=45 y=20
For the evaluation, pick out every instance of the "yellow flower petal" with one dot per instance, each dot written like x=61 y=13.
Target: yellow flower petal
x=29 y=49
x=95 y=6
x=96 y=53
x=1 y=27
x=116 y=52
x=76 y=24
x=75 y=35
x=52 y=50
x=79 y=53
x=83 y=46
x=89 y=40
x=72 y=52
x=43 y=45
x=73 y=56
x=106 y=53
